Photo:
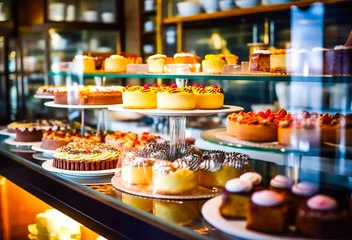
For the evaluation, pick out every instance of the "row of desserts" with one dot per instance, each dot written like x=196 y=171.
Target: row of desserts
x=151 y=167
x=173 y=97
x=283 y=205
x=291 y=129
x=318 y=61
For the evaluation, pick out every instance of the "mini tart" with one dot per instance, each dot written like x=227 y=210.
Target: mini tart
x=213 y=64
x=173 y=98
x=336 y=128
x=129 y=140
x=217 y=167
x=321 y=218
x=116 y=63
x=136 y=170
x=301 y=131
x=181 y=213
x=179 y=177
x=156 y=63
x=89 y=95
x=267 y=213
x=235 y=199
x=211 y=97
x=145 y=204
x=86 y=157
x=84 y=64
x=136 y=97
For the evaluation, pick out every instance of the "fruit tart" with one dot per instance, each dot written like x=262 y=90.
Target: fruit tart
x=336 y=128
x=138 y=97
x=130 y=140
x=210 y=97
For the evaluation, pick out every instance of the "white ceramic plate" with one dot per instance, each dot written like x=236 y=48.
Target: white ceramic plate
x=43 y=96
x=6 y=133
x=177 y=113
x=13 y=142
x=37 y=147
x=199 y=193
x=52 y=104
x=237 y=228
x=48 y=165
x=41 y=157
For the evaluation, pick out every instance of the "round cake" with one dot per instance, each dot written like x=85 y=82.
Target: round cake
x=89 y=95
x=137 y=97
x=86 y=157
x=156 y=63
x=116 y=63
x=174 y=98
x=210 y=97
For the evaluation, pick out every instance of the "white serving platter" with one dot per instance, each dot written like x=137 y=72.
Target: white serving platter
x=13 y=142
x=6 y=133
x=54 y=105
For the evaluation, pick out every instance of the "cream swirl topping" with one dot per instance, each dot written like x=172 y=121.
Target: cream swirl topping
x=252 y=177
x=281 y=181
x=237 y=185
x=267 y=198
x=305 y=189
x=321 y=203
x=190 y=162
x=163 y=167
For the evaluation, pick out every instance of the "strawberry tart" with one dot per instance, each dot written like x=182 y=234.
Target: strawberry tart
x=336 y=128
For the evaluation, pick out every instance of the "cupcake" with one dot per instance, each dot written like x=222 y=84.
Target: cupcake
x=281 y=184
x=267 y=213
x=255 y=179
x=321 y=218
x=235 y=199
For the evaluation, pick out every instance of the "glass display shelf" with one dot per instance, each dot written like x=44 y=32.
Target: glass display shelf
x=181 y=218
x=203 y=76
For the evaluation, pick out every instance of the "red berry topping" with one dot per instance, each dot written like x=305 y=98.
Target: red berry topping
x=155 y=85
x=267 y=112
x=163 y=85
x=173 y=86
x=146 y=86
x=326 y=119
x=337 y=116
x=261 y=114
x=282 y=113
x=201 y=86
x=129 y=85
x=215 y=86
x=196 y=85
x=305 y=114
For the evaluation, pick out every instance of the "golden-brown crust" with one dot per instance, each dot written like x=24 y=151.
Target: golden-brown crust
x=256 y=133
x=84 y=165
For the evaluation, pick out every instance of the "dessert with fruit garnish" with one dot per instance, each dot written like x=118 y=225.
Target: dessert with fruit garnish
x=235 y=199
x=255 y=179
x=267 y=212
x=256 y=127
x=115 y=63
x=178 y=177
x=130 y=140
x=156 y=63
x=137 y=97
x=52 y=140
x=278 y=61
x=48 y=90
x=137 y=170
x=300 y=130
x=86 y=156
x=281 y=184
x=209 y=97
x=89 y=95
x=218 y=167
x=260 y=61
x=83 y=63
x=175 y=98
x=336 y=128
x=321 y=217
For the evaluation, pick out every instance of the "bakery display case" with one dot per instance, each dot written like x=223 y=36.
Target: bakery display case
x=219 y=134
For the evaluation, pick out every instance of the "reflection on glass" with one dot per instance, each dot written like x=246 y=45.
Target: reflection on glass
x=145 y=204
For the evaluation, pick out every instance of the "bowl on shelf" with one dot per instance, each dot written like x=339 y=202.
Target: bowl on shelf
x=246 y=3
x=91 y=16
x=108 y=17
x=226 y=5
x=210 y=6
x=188 y=8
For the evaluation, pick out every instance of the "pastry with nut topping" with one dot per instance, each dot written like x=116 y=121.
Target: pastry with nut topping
x=209 y=97
x=175 y=98
x=138 y=97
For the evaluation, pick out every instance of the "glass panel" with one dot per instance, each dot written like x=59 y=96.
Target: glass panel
x=86 y=11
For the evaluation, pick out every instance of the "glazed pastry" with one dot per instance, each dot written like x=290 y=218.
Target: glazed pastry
x=156 y=63
x=255 y=179
x=260 y=61
x=179 y=177
x=181 y=213
x=129 y=140
x=299 y=194
x=174 y=98
x=235 y=199
x=281 y=184
x=116 y=63
x=301 y=131
x=256 y=127
x=85 y=64
x=86 y=157
x=218 y=167
x=267 y=213
x=145 y=204
x=137 y=170
x=137 y=97
x=336 y=128
x=89 y=95
x=321 y=218
x=210 y=97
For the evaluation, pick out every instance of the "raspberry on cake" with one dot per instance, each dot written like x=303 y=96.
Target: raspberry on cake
x=174 y=98
x=89 y=95
x=86 y=157
x=210 y=97
x=137 y=97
